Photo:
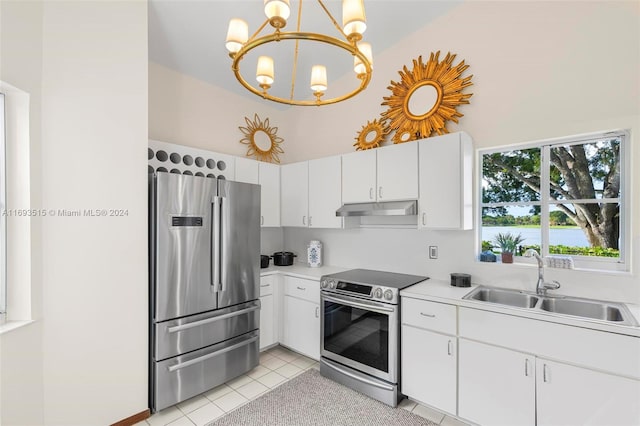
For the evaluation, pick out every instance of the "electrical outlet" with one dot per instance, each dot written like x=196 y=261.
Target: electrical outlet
x=433 y=252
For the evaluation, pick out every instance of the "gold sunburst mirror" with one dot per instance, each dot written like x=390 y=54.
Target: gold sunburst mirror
x=371 y=135
x=262 y=140
x=426 y=97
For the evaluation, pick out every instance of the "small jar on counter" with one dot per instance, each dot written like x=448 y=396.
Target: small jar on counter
x=314 y=253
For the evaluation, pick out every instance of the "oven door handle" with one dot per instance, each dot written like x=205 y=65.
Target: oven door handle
x=357 y=377
x=366 y=306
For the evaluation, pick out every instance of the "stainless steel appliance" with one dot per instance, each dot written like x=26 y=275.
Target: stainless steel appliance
x=204 y=284
x=360 y=330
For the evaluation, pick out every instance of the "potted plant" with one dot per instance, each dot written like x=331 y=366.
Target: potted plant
x=507 y=243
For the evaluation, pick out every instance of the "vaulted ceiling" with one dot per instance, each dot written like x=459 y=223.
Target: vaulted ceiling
x=188 y=36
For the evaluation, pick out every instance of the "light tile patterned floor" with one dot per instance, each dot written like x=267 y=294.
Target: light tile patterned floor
x=277 y=365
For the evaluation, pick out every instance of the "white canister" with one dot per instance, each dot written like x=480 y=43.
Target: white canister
x=314 y=253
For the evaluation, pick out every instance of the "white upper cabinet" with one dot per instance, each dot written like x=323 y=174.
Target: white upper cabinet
x=325 y=182
x=359 y=177
x=383 y=174
x=267 y=175
x=269 y=178
x=246 y=170
x=397 y=172
x=294 y=194
x=446 y=164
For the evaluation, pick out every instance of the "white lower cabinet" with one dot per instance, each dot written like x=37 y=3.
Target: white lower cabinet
x=496 y=386
x=570 y=395
x=301 y=316
x=429 y=367
x=268 y=335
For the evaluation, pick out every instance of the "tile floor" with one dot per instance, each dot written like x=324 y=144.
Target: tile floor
x=277 y=365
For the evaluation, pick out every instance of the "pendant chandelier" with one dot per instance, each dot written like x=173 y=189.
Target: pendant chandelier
x=239 y=44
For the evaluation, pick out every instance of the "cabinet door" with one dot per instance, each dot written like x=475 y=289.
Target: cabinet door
x=267 y=323
x=496 y=386
x=294 y=194
x=446 y=164
x=302 y=326
x=398 y=172
x=569 y=395
x=246 y=170
x=359 y=177
x=325 y=192
x=269 y=178
x=429 y=368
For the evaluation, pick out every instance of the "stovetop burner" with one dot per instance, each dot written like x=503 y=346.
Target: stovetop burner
x=369 y=284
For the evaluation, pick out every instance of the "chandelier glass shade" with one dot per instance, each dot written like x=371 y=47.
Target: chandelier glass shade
x=347 y=39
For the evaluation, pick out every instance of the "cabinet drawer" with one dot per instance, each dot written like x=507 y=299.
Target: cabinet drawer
x=266 y=285
x=429 y=315
x=302 y=289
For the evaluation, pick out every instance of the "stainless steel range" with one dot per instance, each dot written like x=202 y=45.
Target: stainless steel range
x=360 y=330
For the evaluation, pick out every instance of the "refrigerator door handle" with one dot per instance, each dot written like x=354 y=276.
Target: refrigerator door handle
x=189 y=325
x=211 y=355
x=215 y=244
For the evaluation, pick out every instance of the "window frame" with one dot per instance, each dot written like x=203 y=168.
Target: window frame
x=3 y=210
x=601 y=264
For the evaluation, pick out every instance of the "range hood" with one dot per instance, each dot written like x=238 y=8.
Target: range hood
x=387 y=208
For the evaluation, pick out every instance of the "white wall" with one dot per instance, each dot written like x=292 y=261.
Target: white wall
x=541 y=70
x=94 y=127
x=187 y=111
x=84 y=359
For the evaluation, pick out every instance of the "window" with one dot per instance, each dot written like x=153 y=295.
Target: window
x=564 y=198
x=3 y=217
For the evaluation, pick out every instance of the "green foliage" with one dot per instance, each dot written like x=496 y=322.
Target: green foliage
x=567 y=250
x=508 y=241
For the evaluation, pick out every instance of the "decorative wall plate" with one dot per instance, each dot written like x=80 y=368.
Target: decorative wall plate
x=262 y=140
x=427 y=96
x=371 y=135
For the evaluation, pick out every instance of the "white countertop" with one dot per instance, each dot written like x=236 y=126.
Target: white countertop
x=301 y=270
x=442 y=291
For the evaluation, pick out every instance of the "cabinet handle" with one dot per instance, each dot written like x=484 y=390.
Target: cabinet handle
x=380 y=192
x=265 y=285
x=449 y=351
x=427 y=315
x=317 y=311
x=310 y=221
x=301 y=288
x=261 y=220
x=526 y=368
x=371 y=193
x=544 y=373
x=304 y=220
x=424 y=217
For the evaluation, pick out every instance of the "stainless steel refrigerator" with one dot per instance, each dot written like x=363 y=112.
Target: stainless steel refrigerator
x=204 y=282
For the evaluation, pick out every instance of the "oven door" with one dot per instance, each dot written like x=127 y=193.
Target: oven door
x=361 y=334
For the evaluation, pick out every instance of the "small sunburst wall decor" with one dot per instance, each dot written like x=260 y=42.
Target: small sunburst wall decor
x=262 y=140
x=371 y=135
x=440 y=77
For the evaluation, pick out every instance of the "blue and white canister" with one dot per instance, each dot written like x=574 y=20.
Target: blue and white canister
x=314 y=253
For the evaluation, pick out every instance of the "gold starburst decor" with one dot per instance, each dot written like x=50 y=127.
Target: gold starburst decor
x=371 y=135
x=262 y=140
x=427 y=97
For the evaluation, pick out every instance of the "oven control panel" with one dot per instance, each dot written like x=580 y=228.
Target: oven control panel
x=382 y=294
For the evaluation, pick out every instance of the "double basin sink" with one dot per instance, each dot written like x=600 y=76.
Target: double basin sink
x=609 y=312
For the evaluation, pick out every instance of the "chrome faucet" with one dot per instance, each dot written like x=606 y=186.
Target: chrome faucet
x=541 y=285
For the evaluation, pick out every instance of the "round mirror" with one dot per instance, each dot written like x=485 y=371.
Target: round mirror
x=262 y=140
x=371 y=135
x=423 y=99
x=427 y=97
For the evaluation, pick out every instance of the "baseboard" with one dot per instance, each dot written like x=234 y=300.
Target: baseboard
x=136 y=418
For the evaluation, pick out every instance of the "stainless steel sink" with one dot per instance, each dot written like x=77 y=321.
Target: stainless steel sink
x=503 y=297
x=611 y=312
x=588 y=309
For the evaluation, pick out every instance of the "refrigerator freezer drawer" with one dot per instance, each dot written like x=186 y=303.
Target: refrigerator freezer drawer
x=182 y=377
x=183 y=335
